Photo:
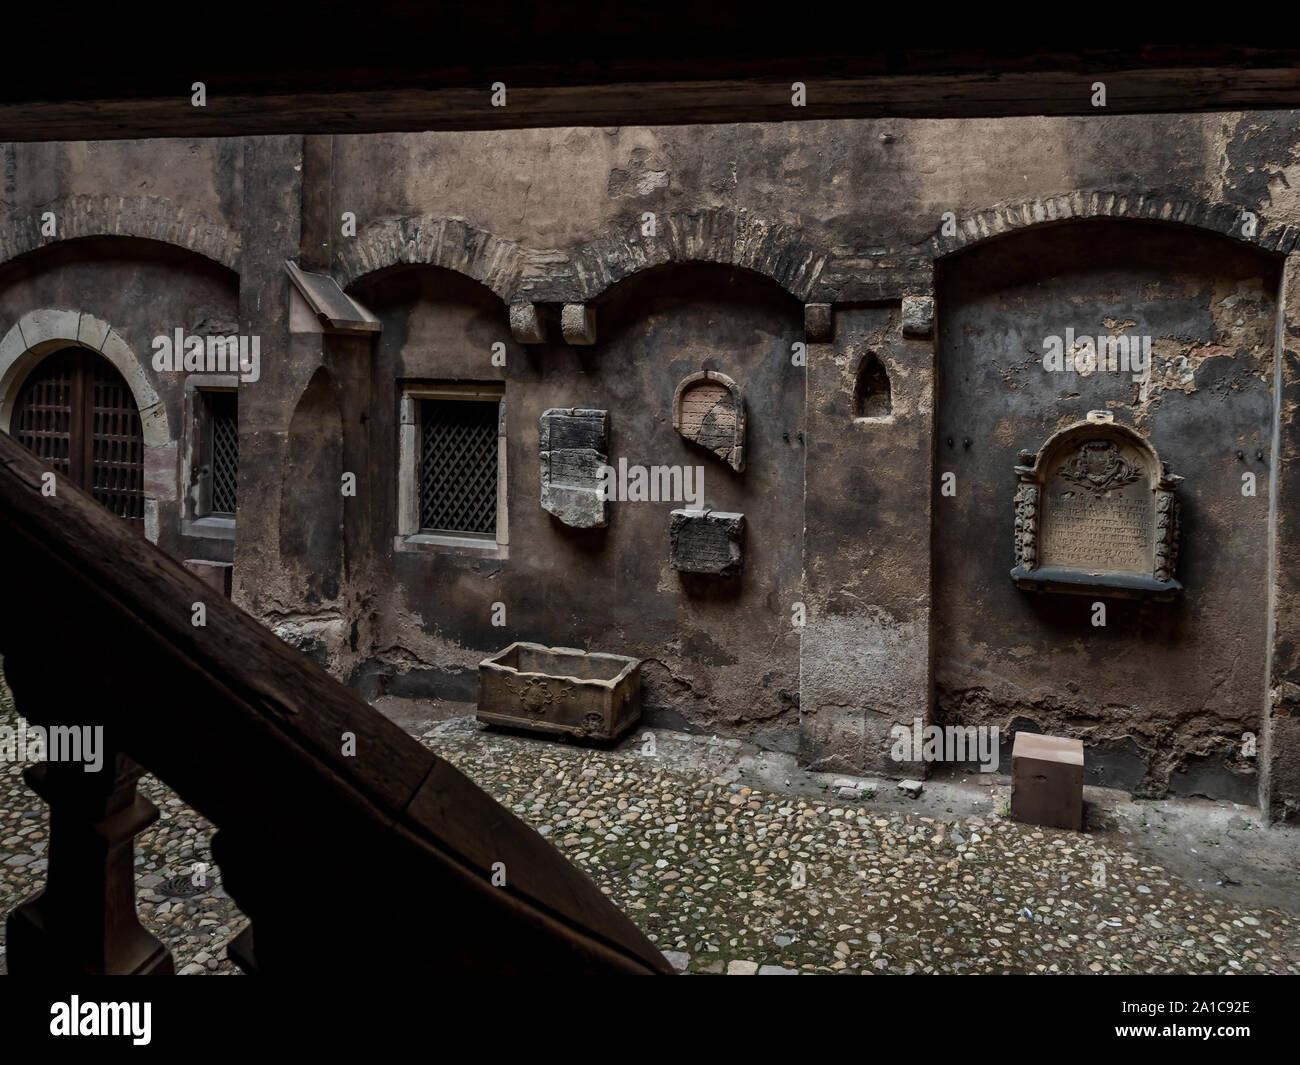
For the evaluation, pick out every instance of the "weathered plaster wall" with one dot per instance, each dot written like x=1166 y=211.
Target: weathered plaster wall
x=185 y=186
x=865 y=649
x=845 y=212
x=718 y=654
x=1163 y=692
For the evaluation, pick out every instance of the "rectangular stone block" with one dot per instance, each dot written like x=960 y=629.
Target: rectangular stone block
x=1047 y=781
x=918 y=316
x=216 y=574
x=707 y=541
x=573 y=450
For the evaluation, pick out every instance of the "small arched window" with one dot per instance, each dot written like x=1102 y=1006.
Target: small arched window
x=871 y=395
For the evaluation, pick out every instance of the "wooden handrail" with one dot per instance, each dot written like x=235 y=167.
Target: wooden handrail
x=381 y=860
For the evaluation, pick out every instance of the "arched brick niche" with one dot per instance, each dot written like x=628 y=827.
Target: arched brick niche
x=422 y=240
x=776 y=250
x=1023 y=323
x=1225 y=219
x=146 y=217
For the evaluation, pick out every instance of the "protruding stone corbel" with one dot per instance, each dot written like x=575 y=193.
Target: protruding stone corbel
x=573 y=450
x=578 y=323
x=918 y=316
x=526 y=324
x=817 y=323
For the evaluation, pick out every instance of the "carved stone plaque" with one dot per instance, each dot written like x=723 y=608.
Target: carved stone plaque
x=706 y=541
x=709 y=410
x=573 y=445
x=1096 y=513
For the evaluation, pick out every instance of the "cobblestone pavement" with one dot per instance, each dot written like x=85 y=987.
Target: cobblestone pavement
x=725 y=877
x=196 y=928
x=707 y=868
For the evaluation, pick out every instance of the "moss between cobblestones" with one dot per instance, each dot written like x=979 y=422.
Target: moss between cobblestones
x=880 y=893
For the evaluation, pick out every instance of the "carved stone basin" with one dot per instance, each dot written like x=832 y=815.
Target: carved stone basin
x=560 y=690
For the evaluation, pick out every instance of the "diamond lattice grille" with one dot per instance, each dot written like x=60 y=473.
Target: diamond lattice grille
x=458 y=466
x=223 y=410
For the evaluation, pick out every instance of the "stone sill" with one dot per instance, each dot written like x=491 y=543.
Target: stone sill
x=440 y=544
x=1095 y=582
x=209 y=528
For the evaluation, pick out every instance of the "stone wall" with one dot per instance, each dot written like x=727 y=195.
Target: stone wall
x=722 y=248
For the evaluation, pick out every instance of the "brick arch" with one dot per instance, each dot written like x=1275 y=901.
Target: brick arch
x=450 y=243
x=145 y=217
x=775 y=250
x=1224 y=219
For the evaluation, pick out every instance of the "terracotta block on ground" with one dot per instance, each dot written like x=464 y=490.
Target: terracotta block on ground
x=1047 y=781
x=217 y=574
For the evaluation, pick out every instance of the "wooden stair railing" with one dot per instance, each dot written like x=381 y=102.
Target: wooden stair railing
x=378 y=862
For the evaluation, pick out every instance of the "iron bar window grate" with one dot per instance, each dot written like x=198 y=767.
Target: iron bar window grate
x=223 y=415
x=458 y=466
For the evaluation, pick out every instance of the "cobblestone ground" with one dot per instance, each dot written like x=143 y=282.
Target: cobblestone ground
x=196 y=926
x=729 y=878
x=707 y=870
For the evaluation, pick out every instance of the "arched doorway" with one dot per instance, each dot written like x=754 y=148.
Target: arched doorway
x=76 y=412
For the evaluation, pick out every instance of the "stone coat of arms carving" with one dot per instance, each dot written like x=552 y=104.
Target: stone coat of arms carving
x=1098 y=466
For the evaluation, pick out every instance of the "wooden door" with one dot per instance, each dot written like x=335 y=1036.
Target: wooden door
x=77 y=413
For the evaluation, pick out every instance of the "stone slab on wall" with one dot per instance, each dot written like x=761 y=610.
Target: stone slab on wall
x=573 y=446
x=707 y=542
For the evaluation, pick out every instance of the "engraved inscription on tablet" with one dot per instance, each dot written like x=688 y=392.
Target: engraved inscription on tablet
x=1099 y=510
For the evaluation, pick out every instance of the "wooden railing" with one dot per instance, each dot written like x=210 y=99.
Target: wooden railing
x=382 y=860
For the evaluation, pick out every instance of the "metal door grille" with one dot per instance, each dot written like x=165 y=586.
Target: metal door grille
x=77 y=413
x=458 y=466
x=223 y=414
x=42 y=420
x=116 y=441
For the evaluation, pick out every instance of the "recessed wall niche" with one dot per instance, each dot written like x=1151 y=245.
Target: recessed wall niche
x=872 y=397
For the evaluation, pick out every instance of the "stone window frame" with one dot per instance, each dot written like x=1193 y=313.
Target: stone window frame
x=409 y=536
x=195 y=521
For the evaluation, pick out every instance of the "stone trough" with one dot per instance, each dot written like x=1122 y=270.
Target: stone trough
x=560 y=690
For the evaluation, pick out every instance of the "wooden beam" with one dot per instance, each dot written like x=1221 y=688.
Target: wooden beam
x=410 y=67
x=373 y=860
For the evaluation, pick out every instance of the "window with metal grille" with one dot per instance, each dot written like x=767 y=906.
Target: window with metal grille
x=221 y=451
x=458 y=466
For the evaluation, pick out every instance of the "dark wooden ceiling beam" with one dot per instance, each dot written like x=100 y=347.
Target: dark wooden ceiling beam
x=558 y=73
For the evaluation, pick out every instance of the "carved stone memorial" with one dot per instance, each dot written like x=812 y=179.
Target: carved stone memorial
x=707 y=541
x=1097 y=514
x=709 y=410
x=573 y=449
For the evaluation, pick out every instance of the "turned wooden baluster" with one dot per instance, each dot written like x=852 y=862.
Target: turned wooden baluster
x=85 y=921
